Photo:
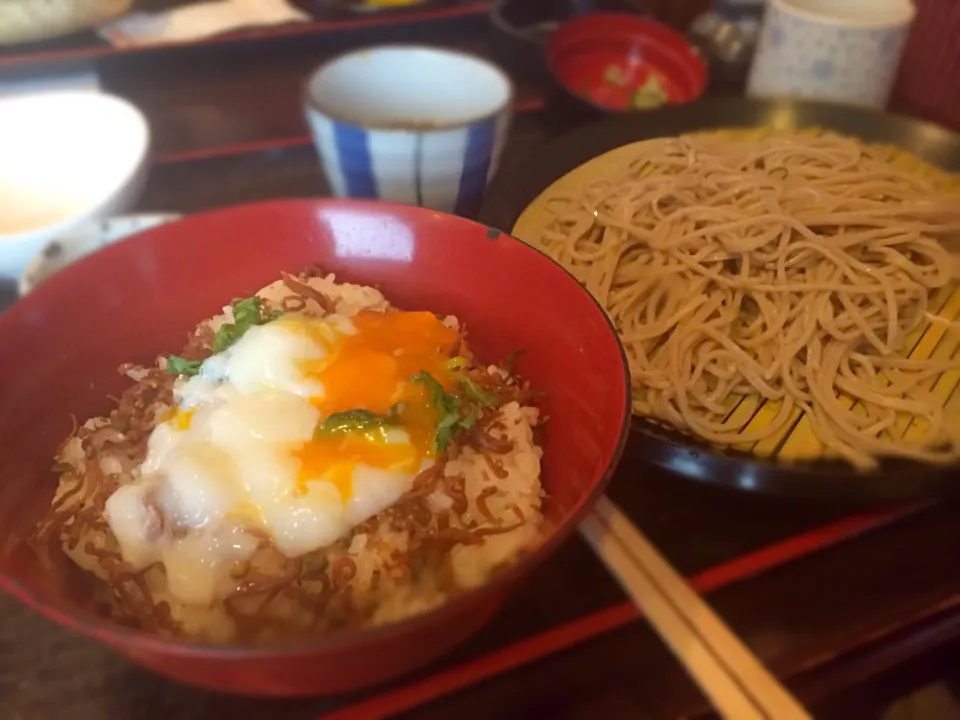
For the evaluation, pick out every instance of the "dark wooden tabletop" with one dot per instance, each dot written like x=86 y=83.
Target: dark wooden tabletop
x=825 y=597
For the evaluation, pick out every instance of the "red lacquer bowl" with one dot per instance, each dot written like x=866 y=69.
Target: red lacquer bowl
x=603 y=59
x=61 y=346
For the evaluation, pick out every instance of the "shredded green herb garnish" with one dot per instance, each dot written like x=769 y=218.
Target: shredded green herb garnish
x=247 y=312
x=442 y=400
x=477 y=392
x=350 y=421
x=455 y=415
x=180 y=366
x=452 y=418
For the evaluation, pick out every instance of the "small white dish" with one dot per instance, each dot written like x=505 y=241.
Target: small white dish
x=198 y=20
x=66 y=158
x=57 y=254
x=412 y=124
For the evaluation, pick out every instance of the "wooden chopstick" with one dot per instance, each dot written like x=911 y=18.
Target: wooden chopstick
x=728 y=673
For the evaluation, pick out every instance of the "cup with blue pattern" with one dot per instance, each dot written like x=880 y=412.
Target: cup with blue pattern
x=842 y=51
x=411 y=124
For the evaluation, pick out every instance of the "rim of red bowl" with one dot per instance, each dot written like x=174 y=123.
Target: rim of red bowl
x=622 y=24
x=116 y=634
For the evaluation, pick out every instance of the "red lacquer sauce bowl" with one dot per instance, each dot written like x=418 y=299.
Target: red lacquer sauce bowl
x=135 y=300
x=621 y=62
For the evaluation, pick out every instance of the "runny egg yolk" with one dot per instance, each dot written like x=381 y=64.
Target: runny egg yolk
x=182 y=418
x=178 y=417
x=372 y=370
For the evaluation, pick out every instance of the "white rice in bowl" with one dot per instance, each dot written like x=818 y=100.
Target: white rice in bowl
x=471 y=508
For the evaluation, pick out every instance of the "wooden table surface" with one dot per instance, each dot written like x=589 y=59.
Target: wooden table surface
x=825 y=598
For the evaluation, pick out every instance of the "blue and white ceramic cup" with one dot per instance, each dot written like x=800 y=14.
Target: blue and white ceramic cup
x=411 y=124
x=844 y=51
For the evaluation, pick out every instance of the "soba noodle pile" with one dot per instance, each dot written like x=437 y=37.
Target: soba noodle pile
x=796 y=270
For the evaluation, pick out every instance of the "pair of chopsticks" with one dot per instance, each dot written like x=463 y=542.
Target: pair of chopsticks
x=730 y=675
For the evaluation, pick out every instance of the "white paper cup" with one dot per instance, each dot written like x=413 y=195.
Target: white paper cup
x=844 y=51
x=410 y=124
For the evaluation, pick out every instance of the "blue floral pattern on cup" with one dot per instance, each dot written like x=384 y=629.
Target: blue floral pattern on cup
x=822 y=68
x=777 y=36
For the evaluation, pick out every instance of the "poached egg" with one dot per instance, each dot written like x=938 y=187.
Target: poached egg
x=279 y=437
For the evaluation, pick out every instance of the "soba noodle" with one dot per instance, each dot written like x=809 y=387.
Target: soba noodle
x=794 y=270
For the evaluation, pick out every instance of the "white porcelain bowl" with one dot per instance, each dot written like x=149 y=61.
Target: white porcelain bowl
x=411 y=124
x=66 y=159
x=57 y=254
